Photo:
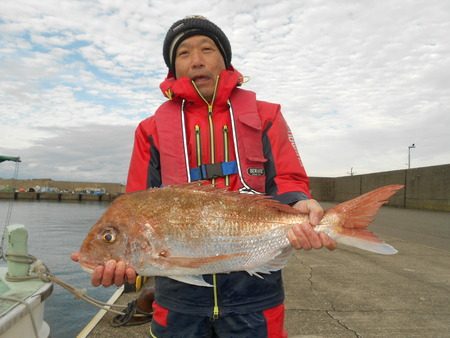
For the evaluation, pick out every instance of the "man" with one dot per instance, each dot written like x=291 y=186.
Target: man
x=210 y=129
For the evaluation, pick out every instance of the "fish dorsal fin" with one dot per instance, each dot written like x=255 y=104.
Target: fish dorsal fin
x=191 y=279
x=249 y=199
x=197 y=185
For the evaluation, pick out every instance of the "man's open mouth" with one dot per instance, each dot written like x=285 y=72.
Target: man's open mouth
x=200 y=79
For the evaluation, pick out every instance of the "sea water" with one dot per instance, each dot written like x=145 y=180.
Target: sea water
x=55 y=230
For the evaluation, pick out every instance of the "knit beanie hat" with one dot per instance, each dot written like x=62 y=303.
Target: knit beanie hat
x=190 y=26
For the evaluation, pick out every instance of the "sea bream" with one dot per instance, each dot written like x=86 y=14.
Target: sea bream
x=185 y=231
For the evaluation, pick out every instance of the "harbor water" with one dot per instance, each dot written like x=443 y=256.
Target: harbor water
x=55 y=230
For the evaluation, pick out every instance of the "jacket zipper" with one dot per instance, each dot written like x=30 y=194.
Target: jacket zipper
x=213 y=181
x=212 y=143
x=210 y=121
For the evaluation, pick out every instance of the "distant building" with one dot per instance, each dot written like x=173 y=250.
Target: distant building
x=49 y=185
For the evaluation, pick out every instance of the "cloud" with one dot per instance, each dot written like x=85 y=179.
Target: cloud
x=90 y=153
x=358 y=81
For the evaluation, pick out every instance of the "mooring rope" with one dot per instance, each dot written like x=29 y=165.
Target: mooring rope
x=40 y=271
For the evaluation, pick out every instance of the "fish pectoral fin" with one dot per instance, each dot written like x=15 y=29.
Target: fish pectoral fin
x=196 y=262
x=257 y=274
x=191 y=279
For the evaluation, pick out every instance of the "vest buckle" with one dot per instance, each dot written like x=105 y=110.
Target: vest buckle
x=212 y=170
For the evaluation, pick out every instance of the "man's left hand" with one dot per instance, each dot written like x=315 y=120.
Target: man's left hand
x=303 y=236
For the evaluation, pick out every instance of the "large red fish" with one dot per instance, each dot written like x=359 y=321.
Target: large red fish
x=188 y=230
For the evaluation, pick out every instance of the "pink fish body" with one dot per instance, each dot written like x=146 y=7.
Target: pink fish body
x=188 y=230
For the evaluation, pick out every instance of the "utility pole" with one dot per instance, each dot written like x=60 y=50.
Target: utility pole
x=412 y=146
x=351 y=172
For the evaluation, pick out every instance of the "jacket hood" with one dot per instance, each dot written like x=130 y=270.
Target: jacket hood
x=183 y=89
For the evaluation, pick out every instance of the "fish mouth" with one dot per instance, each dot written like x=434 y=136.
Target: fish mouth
x=87 y=269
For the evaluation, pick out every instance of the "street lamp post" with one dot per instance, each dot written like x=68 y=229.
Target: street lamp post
x=409 y=154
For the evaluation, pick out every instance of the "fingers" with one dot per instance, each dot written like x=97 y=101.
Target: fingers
x=113 y=272
x=131 y=275
x=124 y=274
x=293 y=240
x=303 y=236
x=312 y=208
x=119 y=273
x=315 y=212
x=96 y=278
x=108 y=273
x=327 y=242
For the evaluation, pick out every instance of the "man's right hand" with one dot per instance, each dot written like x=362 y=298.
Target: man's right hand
x=112 y=272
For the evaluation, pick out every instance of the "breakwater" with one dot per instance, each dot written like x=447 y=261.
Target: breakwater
x=55 y=196
x=425 y=188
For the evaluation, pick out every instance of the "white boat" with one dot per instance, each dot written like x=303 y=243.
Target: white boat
x=22 y=298
x=22 y=294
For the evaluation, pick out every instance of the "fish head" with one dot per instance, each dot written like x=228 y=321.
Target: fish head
x=115 y=236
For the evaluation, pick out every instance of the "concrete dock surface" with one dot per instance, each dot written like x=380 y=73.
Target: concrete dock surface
x=353 y=293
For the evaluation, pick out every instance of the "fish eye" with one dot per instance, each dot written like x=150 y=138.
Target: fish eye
x=109 y=236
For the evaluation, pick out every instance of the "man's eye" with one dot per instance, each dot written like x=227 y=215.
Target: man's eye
x=182 y=53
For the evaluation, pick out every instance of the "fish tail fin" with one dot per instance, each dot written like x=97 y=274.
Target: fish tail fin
x=364 y=240
x=356 y=215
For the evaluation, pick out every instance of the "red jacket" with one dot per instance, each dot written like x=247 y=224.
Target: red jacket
x=277 y=163
x=267 y=156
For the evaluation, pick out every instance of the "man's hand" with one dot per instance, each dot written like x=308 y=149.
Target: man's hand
x=303 y=236
x=112 y=273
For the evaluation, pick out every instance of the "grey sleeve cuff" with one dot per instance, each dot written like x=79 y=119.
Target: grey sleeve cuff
x=290 y=197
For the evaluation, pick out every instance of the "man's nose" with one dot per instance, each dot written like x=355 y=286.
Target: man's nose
x=197 y=59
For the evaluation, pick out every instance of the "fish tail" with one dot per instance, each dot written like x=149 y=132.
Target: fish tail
x=356 y=215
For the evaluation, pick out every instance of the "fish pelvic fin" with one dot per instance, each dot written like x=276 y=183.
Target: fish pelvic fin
x=355 y=216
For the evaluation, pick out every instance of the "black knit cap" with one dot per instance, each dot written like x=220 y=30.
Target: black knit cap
x=190 y=26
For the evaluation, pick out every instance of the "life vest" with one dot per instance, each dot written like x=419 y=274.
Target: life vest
x=247 y=134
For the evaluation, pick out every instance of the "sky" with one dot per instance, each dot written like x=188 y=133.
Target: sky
x=358 y=81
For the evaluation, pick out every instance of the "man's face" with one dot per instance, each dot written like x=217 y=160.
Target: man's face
x=199 y=59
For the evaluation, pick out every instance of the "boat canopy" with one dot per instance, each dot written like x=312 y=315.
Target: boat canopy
x=9 y=158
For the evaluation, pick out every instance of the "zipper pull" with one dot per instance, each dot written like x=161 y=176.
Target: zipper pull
x=216 y=312
x=226 y=151
x=216 y=299
x=198 y=146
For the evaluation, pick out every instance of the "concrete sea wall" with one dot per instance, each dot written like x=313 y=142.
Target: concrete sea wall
x=425 y=188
